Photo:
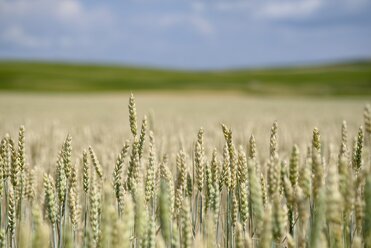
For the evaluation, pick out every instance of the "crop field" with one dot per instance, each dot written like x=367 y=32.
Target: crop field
x=342 y=79
x=184 y=170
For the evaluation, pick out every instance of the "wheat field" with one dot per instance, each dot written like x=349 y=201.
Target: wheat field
x=173 y=170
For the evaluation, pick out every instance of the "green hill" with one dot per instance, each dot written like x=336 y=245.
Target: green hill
x=336 y=79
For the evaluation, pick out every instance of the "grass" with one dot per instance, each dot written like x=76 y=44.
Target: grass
x=336 y=79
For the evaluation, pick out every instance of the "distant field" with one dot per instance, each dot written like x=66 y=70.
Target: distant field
x=182 y=114
x=339 y=79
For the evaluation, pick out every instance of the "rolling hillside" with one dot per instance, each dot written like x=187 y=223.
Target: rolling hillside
x=337 y=79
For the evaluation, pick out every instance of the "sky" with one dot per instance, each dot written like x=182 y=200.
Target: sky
x=186 y=34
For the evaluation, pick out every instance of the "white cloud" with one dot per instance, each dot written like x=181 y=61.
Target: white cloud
x=164 y=21
x=271 y=9
x=76 y=14
x=69 y=9
x=355 y=4
x=289 y=9
x=198 y=7
x=16 y=35
x=198 y=23
x=202 y=25
x=62 y=10
x=233 y=6
x=52 y=22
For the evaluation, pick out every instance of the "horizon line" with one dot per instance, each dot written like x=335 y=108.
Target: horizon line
x=103 y=63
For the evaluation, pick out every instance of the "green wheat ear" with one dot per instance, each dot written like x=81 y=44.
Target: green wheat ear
x=225 y=177
x=140 y=214
x=209 y=187
x=66 y=154
x=279 y=213
x=21 y=148
x=50 y=200
x=316 y=141
x=244 y=203
x=74 y=208
x=294 y=166
x=165 y=214
x=12 y=221
x=273 y=144
x=318 y=173
x=242 y=166
x=367 y=120
x=142 y=136
x=252 y=148
x=117 y=176
x=357 y=153
x=85 y=169
x=273 y=175
x=61 y=182
x=133 y=169
x=98 y=168
x=182 y=170
x=343 y=151
x=15 y=169
x=30 y=190
x=2 y=238
x=200 y=161
x=186 y=225
x=256 y=197
x=151 y=169
x=133 y=115
x=94 y=213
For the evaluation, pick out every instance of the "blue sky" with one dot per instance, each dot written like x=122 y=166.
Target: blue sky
x=187 y=34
